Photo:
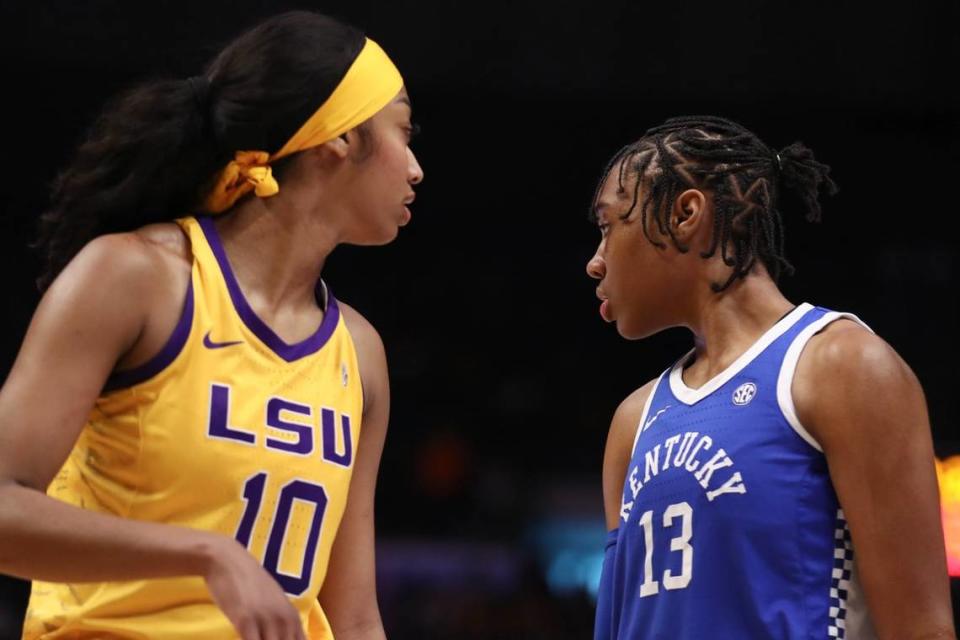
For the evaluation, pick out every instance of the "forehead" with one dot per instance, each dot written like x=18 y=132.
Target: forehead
x=615 y=187
x=397 y=109
x=401 y=100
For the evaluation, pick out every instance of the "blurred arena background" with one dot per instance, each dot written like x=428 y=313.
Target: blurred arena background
x=504 y=378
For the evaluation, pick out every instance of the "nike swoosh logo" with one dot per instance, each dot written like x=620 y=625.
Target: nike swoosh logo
x=654 y=418
x=210 y=344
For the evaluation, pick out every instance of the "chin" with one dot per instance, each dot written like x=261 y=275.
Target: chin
x=377 y=237
x=389 y=235
x=627 y=333
x=634 y=331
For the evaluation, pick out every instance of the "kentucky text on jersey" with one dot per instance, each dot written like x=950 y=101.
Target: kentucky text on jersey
x=689 y=447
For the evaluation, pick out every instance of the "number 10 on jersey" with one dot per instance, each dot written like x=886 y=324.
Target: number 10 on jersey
x=301 y=490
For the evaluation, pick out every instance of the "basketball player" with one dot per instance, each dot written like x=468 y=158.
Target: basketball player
x=192 y=397
x=778 y=480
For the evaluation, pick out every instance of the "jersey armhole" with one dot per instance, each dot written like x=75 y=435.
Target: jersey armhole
x=788 y=370
x=126 y=378
x=328 y=297
x=646 y=410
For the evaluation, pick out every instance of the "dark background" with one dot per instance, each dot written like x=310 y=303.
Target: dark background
x=504 y=377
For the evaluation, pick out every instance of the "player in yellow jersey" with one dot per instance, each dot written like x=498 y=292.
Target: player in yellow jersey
x=191 y=406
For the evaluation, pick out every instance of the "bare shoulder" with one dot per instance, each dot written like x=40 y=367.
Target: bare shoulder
x=627 y=416
x=131 y=284
x=130 y=259
x=847 y=353
x=845 y=371
x=371 y=358
x=167 y=247
x=166 y=240
x=845 y=342
x=365 y=336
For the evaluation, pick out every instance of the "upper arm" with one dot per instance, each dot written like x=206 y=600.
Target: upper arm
x=619 y=448
x=86 y=320
x=372 y=361
x=348 y=594
x=866 y=408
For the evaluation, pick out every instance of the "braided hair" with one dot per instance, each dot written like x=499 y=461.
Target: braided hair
x=743 y=175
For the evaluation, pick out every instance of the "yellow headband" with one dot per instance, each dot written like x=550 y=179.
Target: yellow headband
x=370 y=83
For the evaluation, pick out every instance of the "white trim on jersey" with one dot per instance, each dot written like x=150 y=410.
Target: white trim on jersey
x=849 y=616
x=840 y=578
x=642 y=425
x=690 y=396
x=789 y=368
x=859 y=623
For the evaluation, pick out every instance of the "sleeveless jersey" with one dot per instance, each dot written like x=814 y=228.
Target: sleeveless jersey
x=228 y=429
x=729 y=524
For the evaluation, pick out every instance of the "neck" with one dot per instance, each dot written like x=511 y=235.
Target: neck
x=277 y=249
x=726 y=324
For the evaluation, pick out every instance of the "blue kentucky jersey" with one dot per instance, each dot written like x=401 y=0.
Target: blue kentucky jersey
x=729 y=523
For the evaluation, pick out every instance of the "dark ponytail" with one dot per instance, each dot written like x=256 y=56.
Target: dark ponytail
x=151 y=153
x=802 y=174
x=141 y=161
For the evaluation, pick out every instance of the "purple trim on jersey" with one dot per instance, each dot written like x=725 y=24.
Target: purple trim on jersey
x=156 y=364
x=288 y=352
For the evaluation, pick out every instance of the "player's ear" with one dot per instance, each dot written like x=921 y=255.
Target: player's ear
x=688 y=214
x=339 y=146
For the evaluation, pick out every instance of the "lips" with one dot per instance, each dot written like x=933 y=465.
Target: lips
x=604 y=306
x=405 y=218
x=605 y=311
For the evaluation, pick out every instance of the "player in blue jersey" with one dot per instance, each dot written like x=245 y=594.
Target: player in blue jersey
x=778 y=480
x=191 y=406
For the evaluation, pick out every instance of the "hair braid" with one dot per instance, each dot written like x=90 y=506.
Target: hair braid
x=743 y=175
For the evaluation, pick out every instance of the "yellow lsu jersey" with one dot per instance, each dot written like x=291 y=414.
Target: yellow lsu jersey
x=228 y=429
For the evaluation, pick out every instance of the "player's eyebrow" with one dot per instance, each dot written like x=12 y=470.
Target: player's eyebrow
x=598 y=209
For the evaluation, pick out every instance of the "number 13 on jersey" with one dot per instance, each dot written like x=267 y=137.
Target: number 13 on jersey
x=680 y=543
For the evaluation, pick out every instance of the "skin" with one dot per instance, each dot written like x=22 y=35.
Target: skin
x=338 y=192
x=871 y=420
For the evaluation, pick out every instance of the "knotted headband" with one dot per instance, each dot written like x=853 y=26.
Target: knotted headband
x=370 y=83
